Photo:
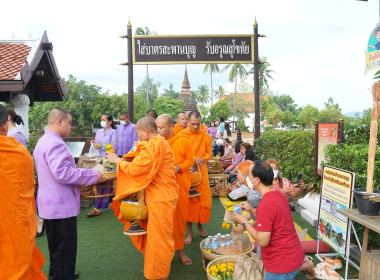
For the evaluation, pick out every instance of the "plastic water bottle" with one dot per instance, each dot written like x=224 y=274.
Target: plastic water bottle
x=223 y=241
x=236 y=209
x=208 y=242
x=219 y=238
x=229 y=239
x=214 y=244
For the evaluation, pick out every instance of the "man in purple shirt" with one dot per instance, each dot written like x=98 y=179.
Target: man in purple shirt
x=58 y=197
x=126 y=132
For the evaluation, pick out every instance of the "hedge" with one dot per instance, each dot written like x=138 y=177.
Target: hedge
x=294 y=151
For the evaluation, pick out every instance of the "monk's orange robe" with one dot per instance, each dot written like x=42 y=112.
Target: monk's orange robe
x=184 y=158
x=19 y=256
x=177 y=128
x=199 y=210
x=153 y=170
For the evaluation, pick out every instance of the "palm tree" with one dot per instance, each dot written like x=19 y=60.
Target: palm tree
x=211 y=68
x=237 y=70
x=203 y=94
x=264 y=74
x=146 y=31
x=219 y=92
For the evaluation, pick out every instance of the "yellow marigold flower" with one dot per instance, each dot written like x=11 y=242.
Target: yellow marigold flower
x=109 y=147
x=111 y=151
x=224 y=224
x=209 y=250
x=227 y=273
x=229 y=203
x=228 y=226
x=230 y=208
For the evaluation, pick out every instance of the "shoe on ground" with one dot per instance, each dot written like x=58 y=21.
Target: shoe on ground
x=323 y=272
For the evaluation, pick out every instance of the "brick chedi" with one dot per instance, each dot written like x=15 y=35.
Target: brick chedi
x=189 y=103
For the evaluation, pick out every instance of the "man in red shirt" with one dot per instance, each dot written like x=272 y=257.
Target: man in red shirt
x=274 y=230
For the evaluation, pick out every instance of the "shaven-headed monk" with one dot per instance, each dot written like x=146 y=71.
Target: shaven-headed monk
x=181 y=123
x=199 y=210
x=184 y=160
x=153 y=170
x=19 y=256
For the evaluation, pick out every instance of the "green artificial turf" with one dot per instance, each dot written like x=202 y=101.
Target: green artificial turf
x=104 y=253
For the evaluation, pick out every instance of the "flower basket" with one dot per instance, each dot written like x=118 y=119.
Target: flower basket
x=223 y=259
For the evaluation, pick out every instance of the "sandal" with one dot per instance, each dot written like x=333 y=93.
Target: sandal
x=332 y=264
x=325 y=273
x=94 y=213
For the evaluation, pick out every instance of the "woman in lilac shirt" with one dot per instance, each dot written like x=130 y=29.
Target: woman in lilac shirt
x=106 y=135
x=212 y=130
x=13 y=131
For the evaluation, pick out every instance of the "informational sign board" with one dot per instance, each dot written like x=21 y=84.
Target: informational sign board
x=327 y=134
x=192 y=49
x=372 y=55
x=336 y=193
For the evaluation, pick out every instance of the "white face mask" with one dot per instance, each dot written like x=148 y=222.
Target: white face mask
x=275 y=173
x=123 y=122
x=249 y=184
x=103 y=124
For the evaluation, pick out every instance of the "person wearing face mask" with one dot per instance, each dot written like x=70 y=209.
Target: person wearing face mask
x=127 y=135
x=274 y=228
x=283 y=184
x=106 y=135
x=240 y=189
x=199 y=208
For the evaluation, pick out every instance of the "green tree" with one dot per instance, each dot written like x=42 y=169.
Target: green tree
x=203 y=94
x=204 y=111
x=245 y=87
x=211 y=68
x=289 y=119
x=220 y=91
x=331 y=113
x=153 y=91
x=274 y=114
x=38 y=113
x=102 y=106
x=307 y=116
x=139 y=107
x=146 y=31
x=220 y=109
x=171 y=92
x=236 y=71
x=264 y=74
x=168 y=105
x=284 y=102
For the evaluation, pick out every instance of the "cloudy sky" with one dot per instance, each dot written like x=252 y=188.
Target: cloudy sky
x=315 y=47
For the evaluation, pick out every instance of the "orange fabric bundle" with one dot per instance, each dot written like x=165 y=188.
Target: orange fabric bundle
x=21 y=259
x=184 y=158
x=199 y=210
x=153 y=170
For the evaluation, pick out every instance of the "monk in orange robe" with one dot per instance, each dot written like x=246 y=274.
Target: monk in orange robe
x=152 y=170
x=199 y=210
x=19 y=256
x=181 y=123
x=184 y=160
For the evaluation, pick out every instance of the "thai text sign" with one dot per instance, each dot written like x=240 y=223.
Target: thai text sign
x=336 y=193
x=201 y=49
x=327 y=134
x=372 y=55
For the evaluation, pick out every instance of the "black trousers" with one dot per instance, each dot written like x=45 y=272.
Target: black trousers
x=62 y=241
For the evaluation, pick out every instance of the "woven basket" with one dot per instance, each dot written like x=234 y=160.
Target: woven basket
x=223 y=259
x=211 y=256
x=91 y=191
x=109 y=175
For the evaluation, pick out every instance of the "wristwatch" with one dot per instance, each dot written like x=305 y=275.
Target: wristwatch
x=245 y=224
